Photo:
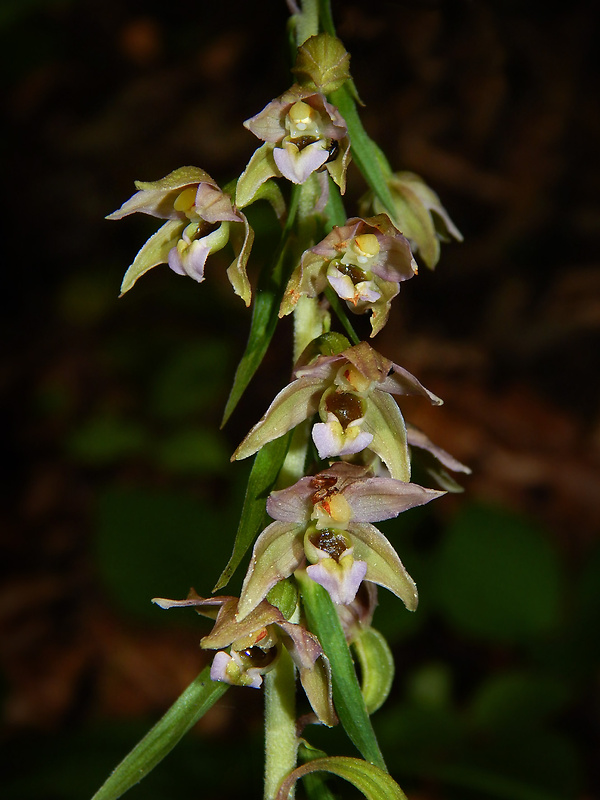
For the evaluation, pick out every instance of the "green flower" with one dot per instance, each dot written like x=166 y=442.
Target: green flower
x=352 y=393
x=201 y=219
x=363 y=261
x=248 y=648
x=325 y=520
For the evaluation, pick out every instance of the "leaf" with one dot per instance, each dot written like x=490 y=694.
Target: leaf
x=266 y=467
x=269 y=292
x=195 y=701
x=372 y=781
x=323 y=620
x=364 y=151
x=376 y=666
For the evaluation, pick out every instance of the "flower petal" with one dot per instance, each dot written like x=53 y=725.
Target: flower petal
x=402 y=382
x=340 y=580
x=157 y=197
x=331 y=440
x=190 y=259
x=294 y=503
x=416 y=438
x=213 y=205
x=259 y=169
x=297 y=165
x=278 y=551
x=298 y=401
x=155 y=251
x=383 y=565
x=384 y=420
x=236 y=271
x=376 y=499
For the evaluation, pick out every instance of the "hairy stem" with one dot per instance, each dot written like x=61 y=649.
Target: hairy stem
x=307 y=24
x=281 y=742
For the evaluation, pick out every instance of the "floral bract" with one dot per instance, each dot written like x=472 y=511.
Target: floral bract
x=364 y=262
x=199 y=218
x=325 y=520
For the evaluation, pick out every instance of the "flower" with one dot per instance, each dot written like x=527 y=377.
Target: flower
x=303 y=134
x=363 y=261
x=351 y=392
x=254 y=645
x=419 y=214
x=199 y=217
x=325 y=520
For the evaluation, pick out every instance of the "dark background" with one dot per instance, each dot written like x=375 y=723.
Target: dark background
x=117 y=478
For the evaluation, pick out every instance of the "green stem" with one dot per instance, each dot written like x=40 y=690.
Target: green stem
x=307 y=22
x=281 y=742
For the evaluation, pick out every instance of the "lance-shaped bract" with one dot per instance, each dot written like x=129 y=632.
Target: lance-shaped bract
x=363 y=261
x=352 y=393
x=199 y=217
x=325 y=519
x=303 y=133
x=254 y=644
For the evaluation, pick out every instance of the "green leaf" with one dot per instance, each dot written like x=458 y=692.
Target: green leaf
x=376 y=666
x=365 y=153
x=265 y=313
x=266 y=467
x=372 y=781
x=323 y=620
x=195 y=701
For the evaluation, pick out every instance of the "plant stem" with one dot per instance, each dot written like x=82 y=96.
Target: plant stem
x=307 y=24
x=281 y=742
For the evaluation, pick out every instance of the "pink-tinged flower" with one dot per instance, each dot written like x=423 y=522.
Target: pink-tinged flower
x=325 y=520
x=253 y=645
x=201 y=219
x=351 y=392
x=303 y=134
x=363 y=261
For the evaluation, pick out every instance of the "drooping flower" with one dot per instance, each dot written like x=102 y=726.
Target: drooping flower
x=248 y=648
x=303 y=134
x=325 y=520
x=351 y=392
x=419 y=214
x=363 y=261
x=201 y=219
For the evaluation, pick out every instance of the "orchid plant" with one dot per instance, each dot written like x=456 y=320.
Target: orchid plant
x=332 y=453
